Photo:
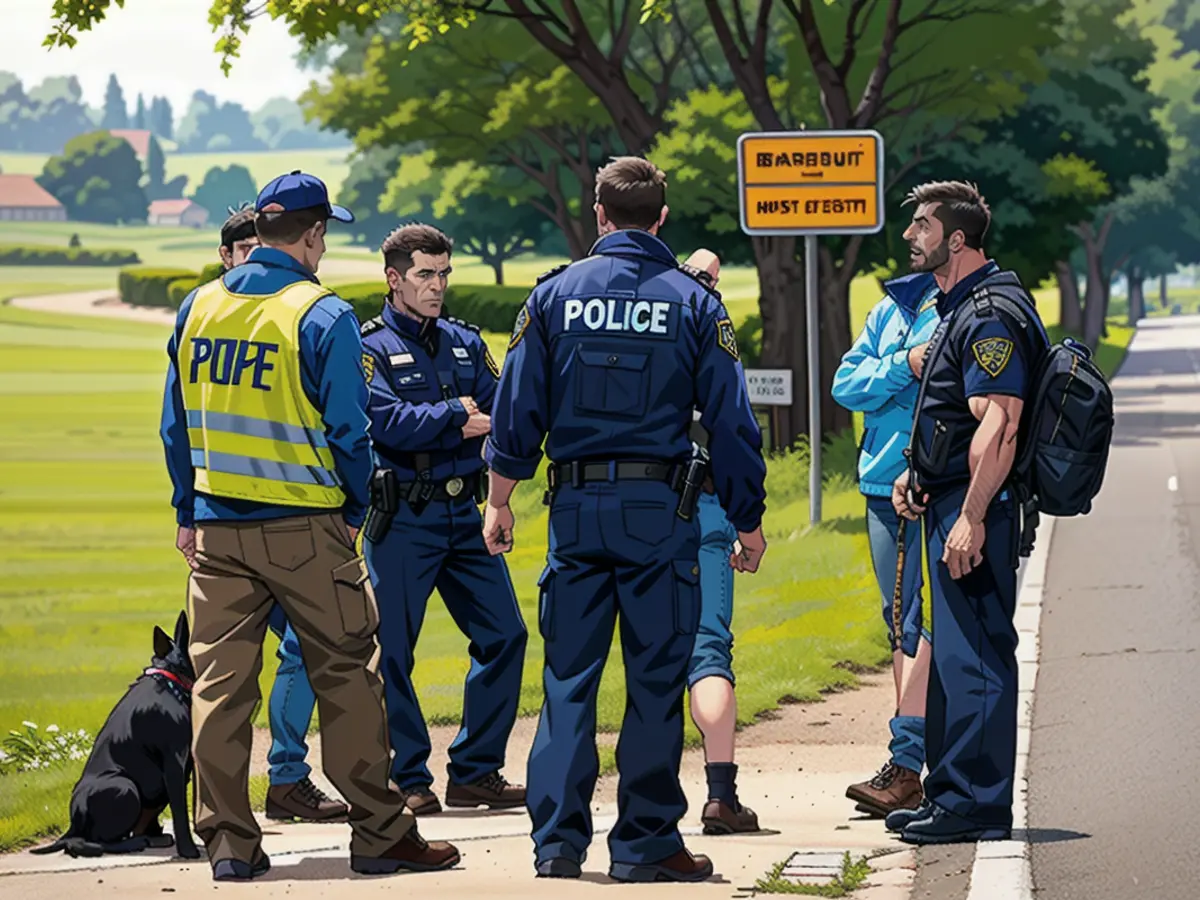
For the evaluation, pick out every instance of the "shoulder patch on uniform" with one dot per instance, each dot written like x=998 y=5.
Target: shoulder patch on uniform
x=490 y=361
x=519 y=326
x=368 y=365
x=371 y=325
x=550 y=273
x=465 y=324
x=727 y=338
x=993 y=354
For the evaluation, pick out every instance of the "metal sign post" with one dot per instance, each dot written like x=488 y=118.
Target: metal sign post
x=805 y=184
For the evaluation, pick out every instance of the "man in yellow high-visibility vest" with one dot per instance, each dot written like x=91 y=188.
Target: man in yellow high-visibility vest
x=265 y=430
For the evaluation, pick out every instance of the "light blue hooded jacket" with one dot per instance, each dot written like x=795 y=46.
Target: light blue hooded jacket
x=874 y=377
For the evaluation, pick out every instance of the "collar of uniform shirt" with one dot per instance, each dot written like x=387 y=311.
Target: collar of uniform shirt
x=269 y=256
x=634 y=242
x=947 y=302
x=423 y=330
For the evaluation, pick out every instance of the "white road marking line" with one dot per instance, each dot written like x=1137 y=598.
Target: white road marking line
x=1002 y=869
x=1172 y=483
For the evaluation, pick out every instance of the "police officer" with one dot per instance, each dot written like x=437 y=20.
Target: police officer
x=265 y=430
x=975 y=380
x=291 y=794
x=607 y=360
x=432 y=382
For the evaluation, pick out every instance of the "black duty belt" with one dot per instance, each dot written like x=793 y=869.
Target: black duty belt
x=450 y=489
x=577 y=473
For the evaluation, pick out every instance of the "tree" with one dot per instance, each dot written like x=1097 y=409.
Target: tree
x=223 y=188
x=115 y=113
x=96 y=178
x=139 y=117
x=155 y=184
x=370 y=171
x=210 y=125
x=161 y=118
x=280 y=124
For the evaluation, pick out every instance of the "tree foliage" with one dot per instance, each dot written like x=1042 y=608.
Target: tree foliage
x=225 y=188
x=97 y=179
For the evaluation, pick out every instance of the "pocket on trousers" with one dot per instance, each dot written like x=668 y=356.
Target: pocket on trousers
x=564 y=526
x=648 y=523
x=687 y=596
x=355 y=601
x=289 y=543
x=546 y=604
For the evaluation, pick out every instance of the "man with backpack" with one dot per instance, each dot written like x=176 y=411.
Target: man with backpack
x=978 y=373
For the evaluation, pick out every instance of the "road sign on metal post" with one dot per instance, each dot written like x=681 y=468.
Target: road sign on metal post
x=805 y=184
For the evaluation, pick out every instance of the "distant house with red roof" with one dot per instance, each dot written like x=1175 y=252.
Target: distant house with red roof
x=138 y=139
x=22 y=199
x=183 y=213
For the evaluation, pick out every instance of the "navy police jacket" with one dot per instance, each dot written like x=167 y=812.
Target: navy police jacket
x=416 y=371
x=609 y=357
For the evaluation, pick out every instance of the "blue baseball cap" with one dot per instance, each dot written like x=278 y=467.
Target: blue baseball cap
x=296 y=190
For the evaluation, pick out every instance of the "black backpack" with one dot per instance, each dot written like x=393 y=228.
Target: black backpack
x=1067 y=423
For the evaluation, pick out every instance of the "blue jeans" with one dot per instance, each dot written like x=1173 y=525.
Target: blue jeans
x=291 y=706
x=883 y=531
x=712 y=653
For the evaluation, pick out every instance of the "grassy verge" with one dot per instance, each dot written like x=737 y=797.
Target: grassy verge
x=854 y=875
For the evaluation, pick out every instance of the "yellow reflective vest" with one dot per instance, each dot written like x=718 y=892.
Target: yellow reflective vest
x=253 y=433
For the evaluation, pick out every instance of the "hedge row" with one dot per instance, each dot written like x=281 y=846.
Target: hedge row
x=17 y=255
x=178 y=290
x=493 y=307
x=147 y=285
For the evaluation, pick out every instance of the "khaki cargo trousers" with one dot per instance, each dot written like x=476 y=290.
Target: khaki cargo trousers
x=309 y=565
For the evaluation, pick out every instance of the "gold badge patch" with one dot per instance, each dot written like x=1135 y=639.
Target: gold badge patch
x=727 y=338
x=491 y=363
x=519 y=326
x=993 y=354
x=369 y=365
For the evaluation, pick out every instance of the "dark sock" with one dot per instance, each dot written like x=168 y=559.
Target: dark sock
x=722 y=783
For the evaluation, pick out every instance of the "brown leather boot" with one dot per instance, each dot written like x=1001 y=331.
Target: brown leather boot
x=303 y=800
x=720 y=818
x=683 y=866
x=421 y=801
x=893 y=787
x=492 y=791
x=412 y=852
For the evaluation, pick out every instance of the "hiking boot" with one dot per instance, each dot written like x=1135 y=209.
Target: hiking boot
x=893 y=787
x=721 y=818
x=237 y=870
x=305 y=801
x=412 y=853
x=559 y=867
x=421 y=801
x=492 y=791
x=680 y=867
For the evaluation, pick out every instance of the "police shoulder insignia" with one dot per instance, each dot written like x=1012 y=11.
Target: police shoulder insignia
x=368 y=365
x=464 y=324
x=727 y=338
x=993 y=354
x=519 y=326
x=371 y=325
x=551 y=273
x=490 y=361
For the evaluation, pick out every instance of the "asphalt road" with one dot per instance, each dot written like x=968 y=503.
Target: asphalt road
x=1114 y=770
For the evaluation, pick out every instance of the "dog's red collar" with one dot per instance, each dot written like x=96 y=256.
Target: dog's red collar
x=170 y=676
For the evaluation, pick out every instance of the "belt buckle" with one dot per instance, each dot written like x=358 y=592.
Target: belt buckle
x=454 y=487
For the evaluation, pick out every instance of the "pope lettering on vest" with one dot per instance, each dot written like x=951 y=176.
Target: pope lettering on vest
x=265 y=430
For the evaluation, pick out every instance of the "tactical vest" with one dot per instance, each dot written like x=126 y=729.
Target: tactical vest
x=253 y=433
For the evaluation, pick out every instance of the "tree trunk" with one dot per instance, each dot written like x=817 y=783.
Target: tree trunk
x=1107 y=297
x=1070 y=315
x=1162 y=291
x=497 y=264
x=1137 y=298
x=780 y=303
x=1095 y=295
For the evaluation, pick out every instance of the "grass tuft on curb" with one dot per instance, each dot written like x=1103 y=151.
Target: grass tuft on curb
x=854 y=875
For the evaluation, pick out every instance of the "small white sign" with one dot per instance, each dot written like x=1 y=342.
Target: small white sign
x=769 y=387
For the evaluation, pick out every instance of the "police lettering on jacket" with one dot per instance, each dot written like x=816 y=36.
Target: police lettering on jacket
x=636 y=316
x=225 y=361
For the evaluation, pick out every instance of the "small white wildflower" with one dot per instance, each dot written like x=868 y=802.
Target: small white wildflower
x=62 y=741
x=56 y=757
x=3 y=756
x=52 y=729
x=32 y=725
x=75 y=754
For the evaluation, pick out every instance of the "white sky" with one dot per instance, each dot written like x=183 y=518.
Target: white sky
x=157 y=47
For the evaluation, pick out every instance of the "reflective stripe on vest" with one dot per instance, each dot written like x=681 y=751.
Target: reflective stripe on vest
x=253 y=433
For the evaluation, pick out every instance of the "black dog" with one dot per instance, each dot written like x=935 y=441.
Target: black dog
x=140 y=764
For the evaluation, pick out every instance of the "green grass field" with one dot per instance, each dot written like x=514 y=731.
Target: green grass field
x=88 y=566
x=328 y=165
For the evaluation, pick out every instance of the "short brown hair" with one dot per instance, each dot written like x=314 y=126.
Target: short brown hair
x=399 y=246
x=960 y=208
x=238 y=227
x=632 y=190
x=282 y=228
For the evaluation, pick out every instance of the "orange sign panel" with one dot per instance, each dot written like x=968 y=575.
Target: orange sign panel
x=811 y=182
